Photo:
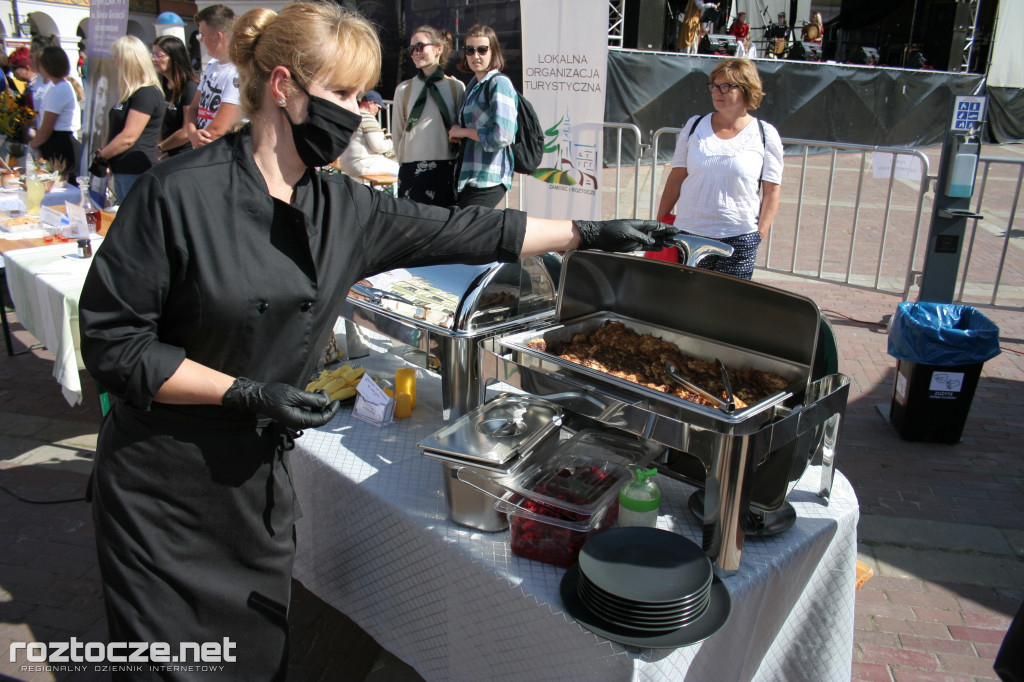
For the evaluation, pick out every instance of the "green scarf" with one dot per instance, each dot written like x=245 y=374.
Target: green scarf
x=430 y=84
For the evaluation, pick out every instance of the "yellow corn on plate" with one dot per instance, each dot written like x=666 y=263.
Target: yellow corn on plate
x=344 y=393
x=335 y=385
x=336 y=374
x=315 y=383
x=354 y=375
x=326 y=377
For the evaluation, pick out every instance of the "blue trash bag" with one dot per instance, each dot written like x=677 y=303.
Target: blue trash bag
x=942 y=334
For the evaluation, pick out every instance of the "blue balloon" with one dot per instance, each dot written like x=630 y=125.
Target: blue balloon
x=169 y=18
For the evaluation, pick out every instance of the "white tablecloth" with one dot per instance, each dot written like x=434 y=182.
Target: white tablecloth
x=374 y=541
x=45 y=287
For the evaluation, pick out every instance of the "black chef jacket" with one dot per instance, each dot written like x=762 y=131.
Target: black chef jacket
x=201 y=262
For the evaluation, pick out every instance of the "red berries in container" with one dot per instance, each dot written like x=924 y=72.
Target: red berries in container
x=556 y=504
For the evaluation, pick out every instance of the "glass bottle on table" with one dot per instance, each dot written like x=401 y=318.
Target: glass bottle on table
x=92 y=212
x=34 y=189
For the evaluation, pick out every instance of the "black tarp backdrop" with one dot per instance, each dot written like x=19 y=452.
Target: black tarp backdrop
x=829 y=102
x=1005 y=114
x=654 y=90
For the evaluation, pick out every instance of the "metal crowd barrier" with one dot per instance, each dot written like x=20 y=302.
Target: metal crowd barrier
x=841 y=219
x=984 y=243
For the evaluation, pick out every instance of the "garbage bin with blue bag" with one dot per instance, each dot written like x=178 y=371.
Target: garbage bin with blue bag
x=941 y=348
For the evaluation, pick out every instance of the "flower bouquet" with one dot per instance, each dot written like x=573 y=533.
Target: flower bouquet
x=15 y=118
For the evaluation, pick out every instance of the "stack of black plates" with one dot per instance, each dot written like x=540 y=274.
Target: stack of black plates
x=646 y=587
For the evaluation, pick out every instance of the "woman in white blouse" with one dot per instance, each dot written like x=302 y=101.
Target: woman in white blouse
x=61 y=116
x=727 y=171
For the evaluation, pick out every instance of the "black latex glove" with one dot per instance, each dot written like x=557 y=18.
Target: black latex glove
x=284 y=404
x=624 y=235
x=99 y=166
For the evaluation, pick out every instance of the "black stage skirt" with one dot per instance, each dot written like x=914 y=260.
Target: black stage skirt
x=63 y=151
x=194 y=514
x=427 y=182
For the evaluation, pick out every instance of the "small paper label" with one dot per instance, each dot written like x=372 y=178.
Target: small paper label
x=943 y=384
x=373 y=405
x=908 y=167
x=79 y=224
x=50 y=216
x=901 y=389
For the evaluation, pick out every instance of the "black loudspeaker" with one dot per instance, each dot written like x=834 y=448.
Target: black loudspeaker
x=805 y=52
x=723 y=43
x=865 y=55
x=946 y=26
x=643 y=24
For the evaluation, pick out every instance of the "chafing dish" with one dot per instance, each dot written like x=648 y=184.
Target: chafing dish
x=493 y=441
x=443 y=311
x=709 y=316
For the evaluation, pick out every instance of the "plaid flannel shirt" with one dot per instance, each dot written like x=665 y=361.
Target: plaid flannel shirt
x=490 y=108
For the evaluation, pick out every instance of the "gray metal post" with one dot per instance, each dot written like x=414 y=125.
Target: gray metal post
x=951 y=210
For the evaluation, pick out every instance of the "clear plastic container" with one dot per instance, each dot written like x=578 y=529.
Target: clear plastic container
x=559 y=502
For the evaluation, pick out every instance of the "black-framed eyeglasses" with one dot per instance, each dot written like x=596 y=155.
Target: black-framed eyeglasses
x=479 y=49
x=723 y=88
x=418 y=47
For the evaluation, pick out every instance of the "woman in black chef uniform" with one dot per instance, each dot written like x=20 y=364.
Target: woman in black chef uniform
x=211 y=299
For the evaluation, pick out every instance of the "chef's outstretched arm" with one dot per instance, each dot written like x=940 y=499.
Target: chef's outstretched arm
x=193 y=383
x=543 y=235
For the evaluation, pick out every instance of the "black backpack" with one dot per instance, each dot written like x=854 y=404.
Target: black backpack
x=528 y=147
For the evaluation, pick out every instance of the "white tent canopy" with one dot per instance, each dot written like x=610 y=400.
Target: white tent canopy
x=1006 y=65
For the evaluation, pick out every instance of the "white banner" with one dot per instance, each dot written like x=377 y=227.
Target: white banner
x=108 y=21
x=565 y=54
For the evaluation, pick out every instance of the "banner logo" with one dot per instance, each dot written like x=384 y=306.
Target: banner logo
x=123 y=656
x=576 y=165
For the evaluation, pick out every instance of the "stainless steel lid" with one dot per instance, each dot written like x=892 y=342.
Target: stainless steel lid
x=495 y=433
x=464 y=298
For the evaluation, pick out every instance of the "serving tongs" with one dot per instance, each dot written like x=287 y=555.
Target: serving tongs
x=726 y=384
x=694 y=249
x=727 y=406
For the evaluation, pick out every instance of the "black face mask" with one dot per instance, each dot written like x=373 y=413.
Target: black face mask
x=325 y=133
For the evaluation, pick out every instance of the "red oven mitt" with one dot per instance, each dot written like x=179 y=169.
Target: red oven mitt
x=670 y=253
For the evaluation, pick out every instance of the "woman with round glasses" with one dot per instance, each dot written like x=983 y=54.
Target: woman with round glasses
x=424 y=109
x=180 y=83
x=727 y=171
x=487 y=123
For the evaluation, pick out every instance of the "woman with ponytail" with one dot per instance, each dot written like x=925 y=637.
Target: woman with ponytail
x=205 y=311
x=424 y=109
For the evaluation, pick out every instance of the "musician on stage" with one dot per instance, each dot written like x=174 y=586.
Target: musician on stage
x=778 y=37
x=739 y=27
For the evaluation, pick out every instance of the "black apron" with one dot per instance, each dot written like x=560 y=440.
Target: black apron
x=63 y=150
x=194 y=521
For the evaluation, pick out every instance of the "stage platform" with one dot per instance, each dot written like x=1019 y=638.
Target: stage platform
x=866 y=105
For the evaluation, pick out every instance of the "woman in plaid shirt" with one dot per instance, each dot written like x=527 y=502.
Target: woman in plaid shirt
x=487 y=123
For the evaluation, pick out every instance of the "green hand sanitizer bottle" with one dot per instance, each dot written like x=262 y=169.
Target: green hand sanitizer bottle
x=639 y=500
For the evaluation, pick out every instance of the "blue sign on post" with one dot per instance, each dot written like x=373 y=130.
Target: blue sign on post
x=968 y=113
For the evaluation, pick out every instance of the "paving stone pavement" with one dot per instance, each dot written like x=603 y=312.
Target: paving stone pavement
x=941 y=525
